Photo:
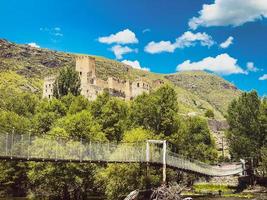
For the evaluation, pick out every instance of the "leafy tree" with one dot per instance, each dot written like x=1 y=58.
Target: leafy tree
x=62 y=181
x=263 y=162
x=20 y=103
x=68 y=81
x=78 y=104
x=209 y=113
x=47 y=112
x=112 y=114
x=194 y=140
x=245 y=136
x=81 y=125
x=131 y=176
x=157 y=111
x=99 y=103
x=11 y=122
x=114 y=119
x=13 y=179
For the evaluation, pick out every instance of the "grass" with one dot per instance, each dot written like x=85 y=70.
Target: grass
x=204 y=189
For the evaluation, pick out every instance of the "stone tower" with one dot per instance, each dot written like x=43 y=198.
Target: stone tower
x=48 y=87
x=85 y=66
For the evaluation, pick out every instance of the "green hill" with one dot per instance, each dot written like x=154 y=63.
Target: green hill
x=23 y=68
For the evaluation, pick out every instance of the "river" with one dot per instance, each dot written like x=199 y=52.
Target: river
x=256 y=197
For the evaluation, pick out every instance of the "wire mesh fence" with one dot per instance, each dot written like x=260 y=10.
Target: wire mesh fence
x=30 y=147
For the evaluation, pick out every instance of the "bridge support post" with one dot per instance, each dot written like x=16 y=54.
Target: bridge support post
x=147 y=165
x=164 y=161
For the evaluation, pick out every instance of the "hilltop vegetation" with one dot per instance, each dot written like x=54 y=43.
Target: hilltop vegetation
x=197 y=91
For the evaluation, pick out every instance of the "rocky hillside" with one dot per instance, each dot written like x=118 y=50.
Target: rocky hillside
x=23 y=68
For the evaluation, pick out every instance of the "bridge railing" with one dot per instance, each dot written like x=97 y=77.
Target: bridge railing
x=47 y=148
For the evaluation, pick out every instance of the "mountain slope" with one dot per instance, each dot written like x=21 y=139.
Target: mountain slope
x=23 y=68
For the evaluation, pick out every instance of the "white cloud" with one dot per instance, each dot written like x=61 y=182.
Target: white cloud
x=135 y=64
x=146 y=30
x=229 y=12
x=158 y=47
x=222 y=64
x=119 y=50
x=263 y=77
x=33 y=44
x=186 y=40
x=227 y=42
x=251 y=67
x=55 y=31
x=123 y=37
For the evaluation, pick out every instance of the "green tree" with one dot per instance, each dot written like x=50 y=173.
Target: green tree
x=131 y=176
x=245 y=136
x=112 y=114
x=47 y=112
x=81 y=125
x=78 y=104
x=195 y=141
x=157 y=111
x=68 y=81
x=209 y=113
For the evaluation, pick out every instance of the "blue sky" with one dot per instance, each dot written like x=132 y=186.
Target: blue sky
x=227 y=37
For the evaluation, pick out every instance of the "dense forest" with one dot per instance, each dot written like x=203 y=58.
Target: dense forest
x=149 y=116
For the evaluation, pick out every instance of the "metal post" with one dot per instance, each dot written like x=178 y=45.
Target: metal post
x=44 y=142
x=164 y=161
x=222 y=148
x=29 y=143
x=147 y=166
x=147 y=152
x=12 y=141
x=81 y=143
x=90 y=151
x=6 y=144
x=56 y=148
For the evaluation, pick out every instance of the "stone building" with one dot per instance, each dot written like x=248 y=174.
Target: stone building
x=48 y=87
x=91 y=85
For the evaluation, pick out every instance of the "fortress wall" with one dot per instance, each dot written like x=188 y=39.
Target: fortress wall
x=101 y=83
x=85 y=66
x=128 y=90
x=139 y=87
x=48 y=86
x=91 y=92
x=116 y=84
x=91 y=86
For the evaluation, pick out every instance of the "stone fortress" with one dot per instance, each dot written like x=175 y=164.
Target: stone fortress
x=91 y=85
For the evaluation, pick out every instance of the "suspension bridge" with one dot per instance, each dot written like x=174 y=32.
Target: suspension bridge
x=152 y=152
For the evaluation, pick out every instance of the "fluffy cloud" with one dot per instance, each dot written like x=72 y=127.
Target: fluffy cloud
x=33 y=44
x=229 y=12
x=186 y=40
x=123 y=37
x=251 y=67
x=222 y=64
x=56 y=31
x=119 y=50
x=158 y=47
x=146 y=30
x=263 y=77
x=135 y=64
x=227 y=42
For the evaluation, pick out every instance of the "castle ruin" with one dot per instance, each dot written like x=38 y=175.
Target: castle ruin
x=91 y=85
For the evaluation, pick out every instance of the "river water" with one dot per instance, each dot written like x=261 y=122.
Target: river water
x=256 y=197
